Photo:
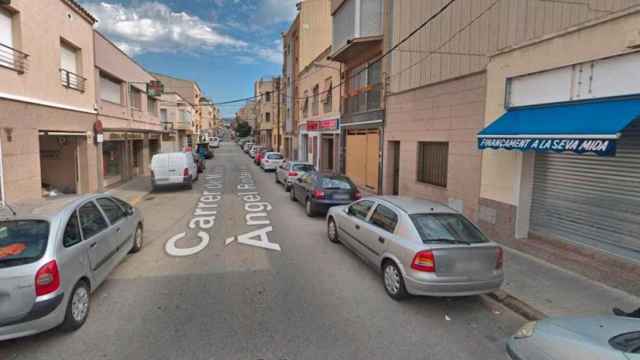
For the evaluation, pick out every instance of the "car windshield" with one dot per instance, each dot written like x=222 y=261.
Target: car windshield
x=453 y=228
x=336 y=182
x=302 y=167
x=22 y=241
x=627 y=342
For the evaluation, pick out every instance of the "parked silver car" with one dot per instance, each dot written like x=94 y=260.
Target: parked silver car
x=290 y=171
x=422 y=248
x=584 y=338
x=54 y=253
x=271 y=161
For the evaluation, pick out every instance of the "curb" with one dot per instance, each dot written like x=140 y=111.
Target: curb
x=516 y=305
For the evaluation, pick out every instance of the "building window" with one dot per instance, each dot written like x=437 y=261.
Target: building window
x=135 y=98
x=267 y=96
x=164 y=116
x=267 y=117
x=328 y=96
x=110 y=89
x=305 y=106
x=315 y=107
x=433 y=159
x=70 y=67
x=365 y=88
x=9 y=56
x=152 y=106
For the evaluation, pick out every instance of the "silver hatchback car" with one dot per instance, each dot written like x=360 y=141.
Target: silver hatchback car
x=422 y=248
x=54 y=253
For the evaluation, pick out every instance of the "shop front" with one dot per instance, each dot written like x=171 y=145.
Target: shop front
x=123 y=155
x=113 y=158
x=322 y=143
x=571 y=171
x=59 y=162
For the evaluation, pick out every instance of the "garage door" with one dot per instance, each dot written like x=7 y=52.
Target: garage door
x=589 y=199
x=356 y=158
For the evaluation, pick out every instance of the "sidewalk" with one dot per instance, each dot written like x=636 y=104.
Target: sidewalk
x=536 y=288
x=133 y=190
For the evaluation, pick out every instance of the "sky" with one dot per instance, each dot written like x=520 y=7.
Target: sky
x=224 y=45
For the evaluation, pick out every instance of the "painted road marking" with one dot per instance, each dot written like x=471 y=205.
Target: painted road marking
x=248 y=239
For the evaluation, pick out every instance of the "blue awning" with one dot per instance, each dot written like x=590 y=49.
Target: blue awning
x=581 y=127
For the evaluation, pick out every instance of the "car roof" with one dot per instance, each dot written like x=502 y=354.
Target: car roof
x=47 y=208
x=412 y=205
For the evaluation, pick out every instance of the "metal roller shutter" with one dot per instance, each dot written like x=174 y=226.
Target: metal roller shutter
x=589 y=199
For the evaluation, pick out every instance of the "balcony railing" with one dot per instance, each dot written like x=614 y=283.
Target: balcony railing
x=71 y=80
x=13 y=59
x=363 y=100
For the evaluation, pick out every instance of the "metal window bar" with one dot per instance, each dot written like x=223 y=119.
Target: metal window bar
x=71 y=80
x=433 y=163
x=13 y=59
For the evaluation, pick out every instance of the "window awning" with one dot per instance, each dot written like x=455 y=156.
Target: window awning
x=580 y=127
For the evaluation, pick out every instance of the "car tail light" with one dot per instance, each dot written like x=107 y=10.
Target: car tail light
x=185 y=172
x=357 y=195
x=318 y=194
x=424 y=261
x=499 y=258
x=293 y=173
x=47 y=279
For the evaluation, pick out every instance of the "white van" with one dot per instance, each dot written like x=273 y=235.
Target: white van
x=176 y=168
x=214 y=142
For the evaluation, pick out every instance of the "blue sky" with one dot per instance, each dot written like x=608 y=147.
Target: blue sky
x=225 y=45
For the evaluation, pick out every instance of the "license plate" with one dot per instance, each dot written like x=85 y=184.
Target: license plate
x=341 y=196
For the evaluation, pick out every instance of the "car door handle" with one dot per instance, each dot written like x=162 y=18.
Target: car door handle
x=357 y=227
x=93 y=245
x=117 y=229
x=381 y=240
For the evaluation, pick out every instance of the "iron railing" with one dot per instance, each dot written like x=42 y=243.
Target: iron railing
x=71 y=80
x=13 y=59
x=365 y=99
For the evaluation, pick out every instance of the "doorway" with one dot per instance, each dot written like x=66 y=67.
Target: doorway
x=394 y=154
x=327 y=157
x=58 y=164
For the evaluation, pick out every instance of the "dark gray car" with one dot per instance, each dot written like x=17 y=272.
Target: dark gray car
x=54 y=253
x=320 y=191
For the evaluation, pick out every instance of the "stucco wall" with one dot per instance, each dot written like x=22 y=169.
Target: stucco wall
x=41 y=81
x=315 y=29
x=452 y=111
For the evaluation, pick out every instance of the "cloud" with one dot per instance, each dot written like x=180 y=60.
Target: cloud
x=150 y=26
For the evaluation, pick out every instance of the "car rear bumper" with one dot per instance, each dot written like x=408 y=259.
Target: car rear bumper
x=44 y=315
x=467 y=288
x=172 y=180
x=324 y=205
x=269 y=166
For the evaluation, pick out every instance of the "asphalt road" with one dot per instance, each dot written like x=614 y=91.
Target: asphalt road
x=310 y=299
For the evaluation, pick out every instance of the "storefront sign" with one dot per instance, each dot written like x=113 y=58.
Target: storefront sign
x=322 y=125
x=603 y=147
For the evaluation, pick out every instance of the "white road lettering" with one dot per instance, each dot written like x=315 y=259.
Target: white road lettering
x=263 y=242
x=171 y=248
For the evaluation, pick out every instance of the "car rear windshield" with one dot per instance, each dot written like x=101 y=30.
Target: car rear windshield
x=628 y=342
x=302 y=167
x=448 y=228
x=275 y=157
x=22 y=241
x=336 y=182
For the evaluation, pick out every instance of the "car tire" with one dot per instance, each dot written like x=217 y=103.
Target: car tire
x=138 y=240
x=77 y=307
x=292 y=195
x=393 y=281
x=308 y=208
x=332 y=231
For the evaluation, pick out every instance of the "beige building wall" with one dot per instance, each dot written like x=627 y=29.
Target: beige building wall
x=36 y=100
x=320 y=72
x=440 y=51
x=505 y=186
x=315 y=29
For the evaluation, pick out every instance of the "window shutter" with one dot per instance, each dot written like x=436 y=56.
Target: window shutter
x=68 y=59
x=6 y=29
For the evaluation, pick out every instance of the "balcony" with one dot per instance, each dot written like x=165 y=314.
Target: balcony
x=13 y=59
x=357 y=28
x=71 y=80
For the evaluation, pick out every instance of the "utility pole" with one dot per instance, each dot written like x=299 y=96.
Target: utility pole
x=278 y=121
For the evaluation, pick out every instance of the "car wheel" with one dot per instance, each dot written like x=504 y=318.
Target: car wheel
x=138 y=240
x=332 y=231
x=393 y=281
x=292 y=194
x=308 y=207
x=77 y=308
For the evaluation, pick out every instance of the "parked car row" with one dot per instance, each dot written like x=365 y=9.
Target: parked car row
x=54 y=253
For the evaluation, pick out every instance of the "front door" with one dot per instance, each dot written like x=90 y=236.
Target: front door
x=379 y=231
x=96 y=231
x=395 y=153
